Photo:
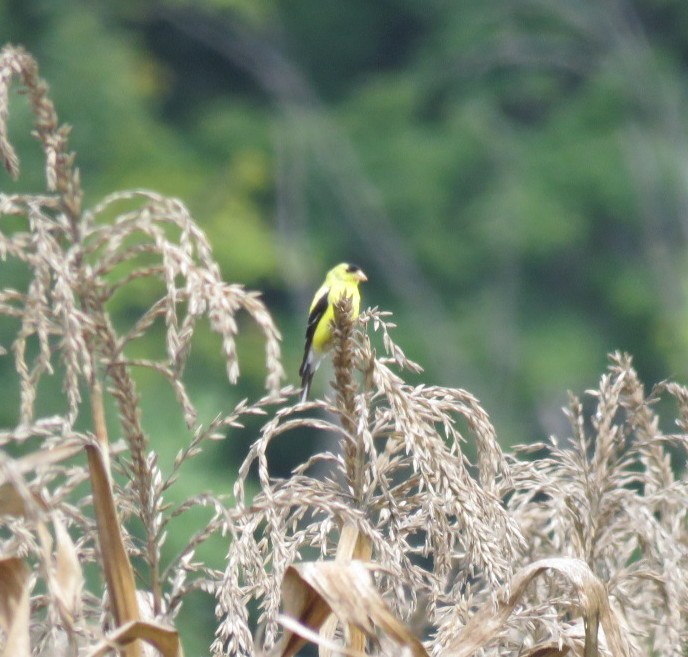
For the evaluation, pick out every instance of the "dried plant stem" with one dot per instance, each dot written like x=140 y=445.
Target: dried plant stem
x=352 y=544
x=592 y=625
x=98 y=418
x=346 y=387
x=128 y=402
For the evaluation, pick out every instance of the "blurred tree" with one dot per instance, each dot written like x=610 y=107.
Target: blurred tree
x=504 y=171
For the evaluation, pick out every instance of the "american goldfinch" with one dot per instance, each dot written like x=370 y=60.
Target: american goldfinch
x=340 y=281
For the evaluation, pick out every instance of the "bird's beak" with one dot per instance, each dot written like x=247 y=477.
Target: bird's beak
x=361 y=277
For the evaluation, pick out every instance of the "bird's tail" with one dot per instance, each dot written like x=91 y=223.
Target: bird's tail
x=306 y=380
x=306 y=371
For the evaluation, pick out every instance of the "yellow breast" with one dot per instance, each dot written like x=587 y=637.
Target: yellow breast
x=322 y=338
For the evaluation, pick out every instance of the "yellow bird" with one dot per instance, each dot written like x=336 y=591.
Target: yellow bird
x=340 y=281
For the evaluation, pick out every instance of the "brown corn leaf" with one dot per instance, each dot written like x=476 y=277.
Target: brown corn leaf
x=116 y=564
x=303 y=603
x=327 y=632
x=69 y=578
x=63 y=570
x=486 y=623
x=12 y=502
x=44 y=457
x=352 y=545
x=313 y=590
x=14 y=607
x=163 y=638
x=548 y=650
x=301 y=630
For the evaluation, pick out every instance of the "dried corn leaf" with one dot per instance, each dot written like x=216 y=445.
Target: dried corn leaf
x=14 y=498
x=313 y=590
x=43 y=457
x=549 y=650
x=352 y=545
x=14 y=607
x=486 y=624
x=163 y=638
x=303 y=603
x=69 y=578
x=116 y=564
x=332 y=646
x=63 y=571
x=12 y=502
x=327 y=632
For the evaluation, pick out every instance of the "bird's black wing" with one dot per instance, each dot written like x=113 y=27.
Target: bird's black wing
x=313 y=318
